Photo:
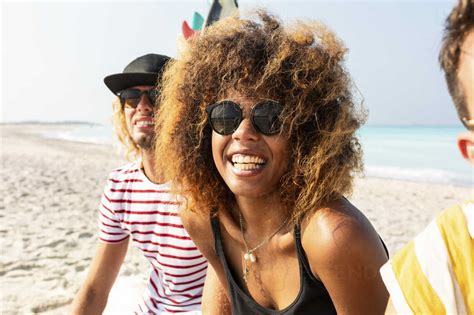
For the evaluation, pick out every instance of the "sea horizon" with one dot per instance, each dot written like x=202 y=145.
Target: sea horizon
x=85 y=122
x=425 y=153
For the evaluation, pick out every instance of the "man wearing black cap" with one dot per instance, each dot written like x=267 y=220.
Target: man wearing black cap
x=137 y=204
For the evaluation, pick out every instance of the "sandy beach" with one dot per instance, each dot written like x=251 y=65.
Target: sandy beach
x=51 y=189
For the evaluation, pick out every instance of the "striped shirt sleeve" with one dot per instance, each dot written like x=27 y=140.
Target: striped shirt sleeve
x=434 y=273
x=110 y=227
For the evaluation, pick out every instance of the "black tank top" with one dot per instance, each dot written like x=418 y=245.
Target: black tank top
x=313 y=298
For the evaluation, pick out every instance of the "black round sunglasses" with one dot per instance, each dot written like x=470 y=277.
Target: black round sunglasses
x=225 y=117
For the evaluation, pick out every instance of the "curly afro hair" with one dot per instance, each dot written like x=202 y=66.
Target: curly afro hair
x=300 y=65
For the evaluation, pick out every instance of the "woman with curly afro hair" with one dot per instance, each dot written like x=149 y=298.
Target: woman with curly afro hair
x=257 y=129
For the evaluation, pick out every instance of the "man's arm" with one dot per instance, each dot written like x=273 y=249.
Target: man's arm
x=92 y=296
x=214 y=297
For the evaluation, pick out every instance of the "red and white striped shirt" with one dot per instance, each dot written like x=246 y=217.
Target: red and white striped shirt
x=133 y=206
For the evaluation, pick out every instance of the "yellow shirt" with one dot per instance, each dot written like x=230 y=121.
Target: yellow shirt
x=434 y=273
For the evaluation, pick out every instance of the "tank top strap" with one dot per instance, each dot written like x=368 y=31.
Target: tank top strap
x=303 y=260
x=216 y=232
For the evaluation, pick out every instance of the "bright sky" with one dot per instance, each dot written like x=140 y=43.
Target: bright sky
x=55 y=54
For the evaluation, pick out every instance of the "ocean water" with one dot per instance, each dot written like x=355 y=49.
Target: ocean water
x=415 y=153
x=427 y=154
x=83 y=132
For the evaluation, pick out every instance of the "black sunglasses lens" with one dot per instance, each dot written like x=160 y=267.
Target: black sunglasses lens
x=266 y=117
x=225 y=117
x=130 y=98
x=153 y=96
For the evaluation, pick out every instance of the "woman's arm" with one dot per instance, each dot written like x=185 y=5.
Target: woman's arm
x=346 y=253
x=214 y=297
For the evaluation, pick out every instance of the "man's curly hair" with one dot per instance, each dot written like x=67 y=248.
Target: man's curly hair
x=121 y=131
x=299 y=65
x=458 y=24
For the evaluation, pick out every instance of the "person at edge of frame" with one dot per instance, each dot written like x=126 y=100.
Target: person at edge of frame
x=434 y=272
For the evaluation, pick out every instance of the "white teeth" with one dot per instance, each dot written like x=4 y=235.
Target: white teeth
x=247 y=159
x=247 y=166
x=145 y=123
x=247 y=162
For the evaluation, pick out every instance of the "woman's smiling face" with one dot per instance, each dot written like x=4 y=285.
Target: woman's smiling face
x=250 y=163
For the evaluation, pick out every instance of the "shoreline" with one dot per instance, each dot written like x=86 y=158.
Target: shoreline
x=52 y=189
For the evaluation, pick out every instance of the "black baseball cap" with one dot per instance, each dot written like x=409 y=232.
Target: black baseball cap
x=144 y=70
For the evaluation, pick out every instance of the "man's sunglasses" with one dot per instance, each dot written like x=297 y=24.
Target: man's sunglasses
x=226 y=116
x=131 y=97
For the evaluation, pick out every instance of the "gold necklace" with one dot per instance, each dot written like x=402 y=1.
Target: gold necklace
x=249 y=255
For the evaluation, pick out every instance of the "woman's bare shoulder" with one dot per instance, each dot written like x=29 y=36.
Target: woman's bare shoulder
x=345 y=252
x=194 y=221
x=198 y=225
x=339 y=231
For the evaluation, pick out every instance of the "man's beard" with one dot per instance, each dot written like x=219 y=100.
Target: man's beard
x=145 y=142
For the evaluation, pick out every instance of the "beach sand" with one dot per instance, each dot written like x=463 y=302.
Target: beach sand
x=51 y=190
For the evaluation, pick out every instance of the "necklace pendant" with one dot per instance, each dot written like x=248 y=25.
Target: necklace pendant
x=250 y=257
